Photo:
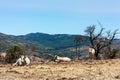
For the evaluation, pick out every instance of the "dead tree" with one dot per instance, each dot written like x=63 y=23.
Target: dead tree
x=99 y=41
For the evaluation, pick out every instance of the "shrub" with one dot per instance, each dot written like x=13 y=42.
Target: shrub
x=13 y=53
x=113 y=53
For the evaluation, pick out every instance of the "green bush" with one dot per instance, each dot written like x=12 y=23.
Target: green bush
x=14 y=53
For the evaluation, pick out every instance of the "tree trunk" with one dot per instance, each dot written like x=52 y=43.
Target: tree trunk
x=76 y=50
x=96 y=53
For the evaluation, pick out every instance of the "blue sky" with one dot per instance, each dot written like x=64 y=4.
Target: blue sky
x=18 y=17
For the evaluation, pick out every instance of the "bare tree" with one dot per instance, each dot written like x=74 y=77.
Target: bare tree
x=98 y=41
x=109 y=39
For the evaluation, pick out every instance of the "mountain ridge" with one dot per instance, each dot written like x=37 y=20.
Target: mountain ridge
x=47 y=44
x=54 y=40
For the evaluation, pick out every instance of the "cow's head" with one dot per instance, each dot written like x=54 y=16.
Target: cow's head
x=55 y=57
x=22 y=58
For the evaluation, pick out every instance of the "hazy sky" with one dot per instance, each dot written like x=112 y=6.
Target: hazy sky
x=57 y=16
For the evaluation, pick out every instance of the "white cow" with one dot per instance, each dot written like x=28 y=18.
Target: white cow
x=19 y=62
x=27 y=60
x=62 y=59
x=23 y=60
x=91 y=53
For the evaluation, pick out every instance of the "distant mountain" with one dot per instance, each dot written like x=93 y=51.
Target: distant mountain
x=58 y=44
x=9 y=40
x=57 y=41
x=47 y=45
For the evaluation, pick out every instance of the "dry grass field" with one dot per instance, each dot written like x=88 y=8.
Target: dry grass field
x=83 y=70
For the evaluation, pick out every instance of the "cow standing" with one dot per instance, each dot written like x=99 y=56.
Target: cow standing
x=91 y=53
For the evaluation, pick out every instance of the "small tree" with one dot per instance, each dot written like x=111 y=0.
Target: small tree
x=78 y=38
x=14 y=53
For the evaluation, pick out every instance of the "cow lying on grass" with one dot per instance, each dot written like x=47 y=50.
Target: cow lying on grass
x=61 y=59
x=23 y=60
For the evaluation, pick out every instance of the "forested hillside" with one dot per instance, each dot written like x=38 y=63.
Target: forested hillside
x=56 y=41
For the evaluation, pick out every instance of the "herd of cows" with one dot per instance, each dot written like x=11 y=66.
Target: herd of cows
x=26 y=60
